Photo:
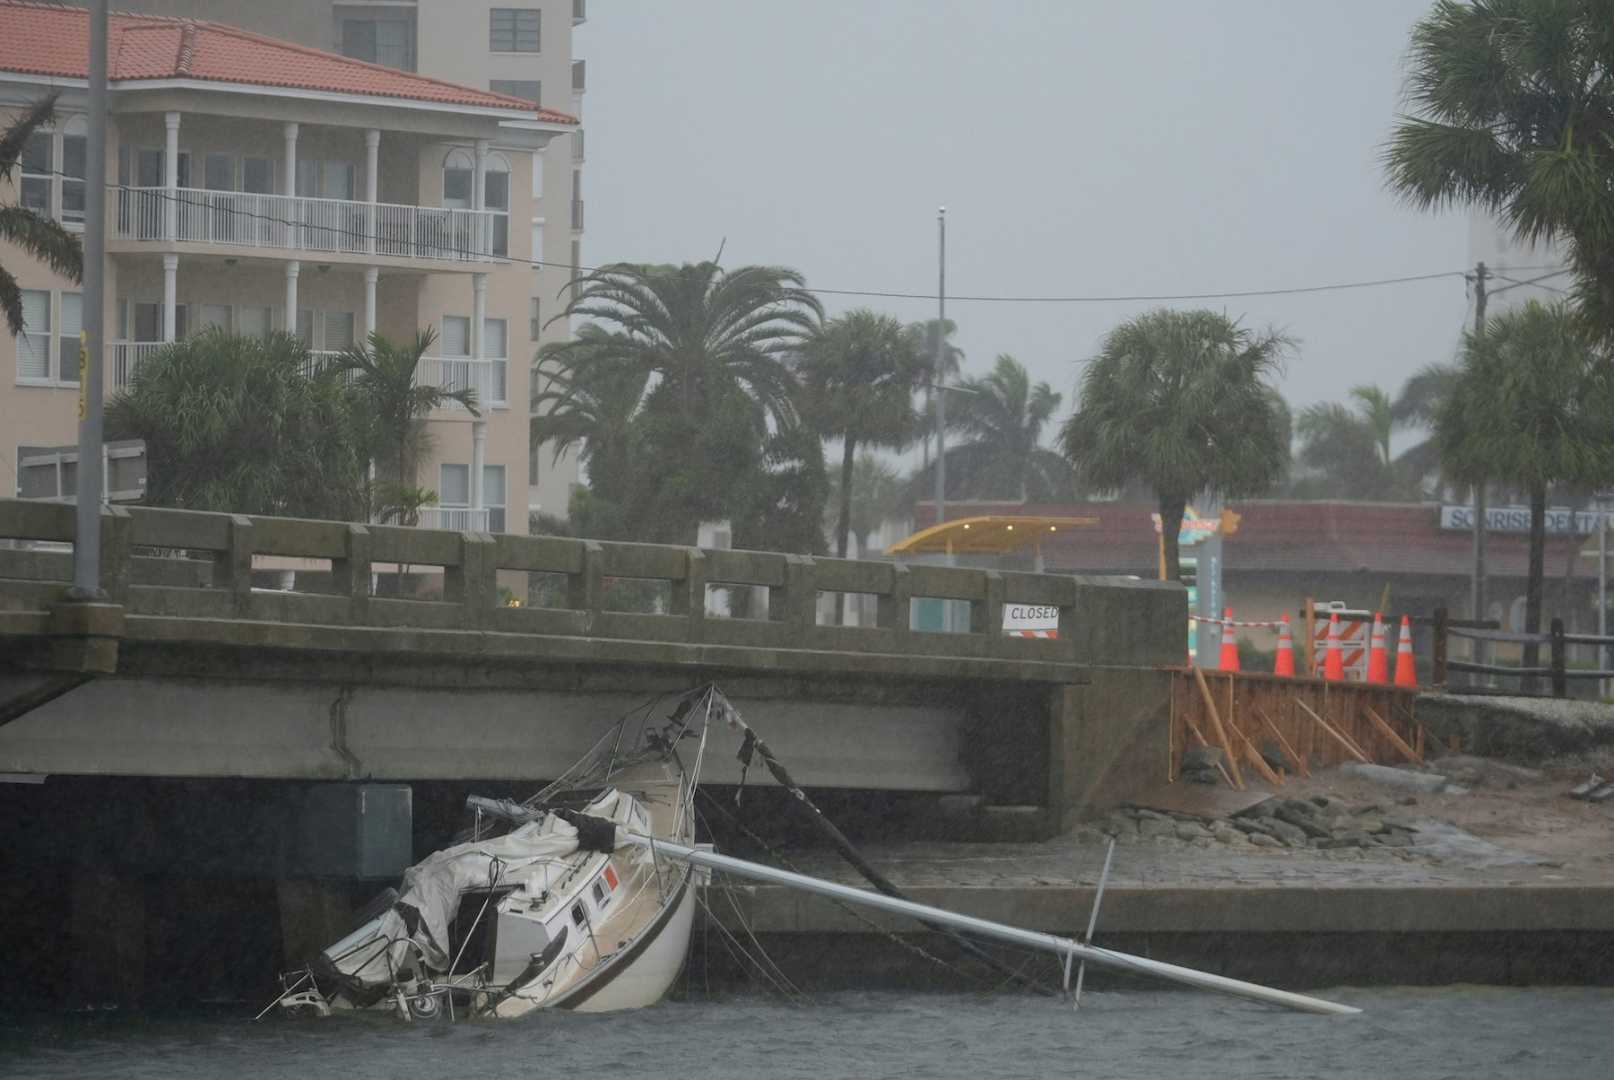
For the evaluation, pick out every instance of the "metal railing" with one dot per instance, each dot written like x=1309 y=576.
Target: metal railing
x=486 y=376
x=124 y=357
x=298 y=223
x=454 y=518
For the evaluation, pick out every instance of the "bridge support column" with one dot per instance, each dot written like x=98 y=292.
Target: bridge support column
x=1108 y=741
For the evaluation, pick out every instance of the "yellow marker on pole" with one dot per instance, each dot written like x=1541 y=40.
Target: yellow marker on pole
x=83 y=366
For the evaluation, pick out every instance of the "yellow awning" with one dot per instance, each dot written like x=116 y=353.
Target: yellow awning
x=992 y=534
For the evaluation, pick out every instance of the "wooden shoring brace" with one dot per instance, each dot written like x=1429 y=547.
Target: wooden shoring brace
x=1395 y=740
x=1220 y=732
x=1350 y=747
x=1257 y=761
x=1300 y=763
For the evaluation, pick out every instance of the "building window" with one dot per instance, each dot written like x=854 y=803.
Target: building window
x=213 y=317
x=514 y=29
x=252 y=321
x=535 y=322
x=496 y=197
x=53 y=172
x=390 y=42
x=33 y=344
x=525 y=89
x=493 y=496
x=459 y=173
x=258 y=175
x=456 y=339
x=68 y=328
x=36 y=172
x=453 y=493
x=496 y=347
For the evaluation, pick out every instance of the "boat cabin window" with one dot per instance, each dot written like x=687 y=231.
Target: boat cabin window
x=578 y=915
x=600 y=899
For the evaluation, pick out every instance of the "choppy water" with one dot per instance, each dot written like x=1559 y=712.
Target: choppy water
x=1466 y=1032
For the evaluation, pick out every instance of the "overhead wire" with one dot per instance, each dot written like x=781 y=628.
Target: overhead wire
x=203 y=205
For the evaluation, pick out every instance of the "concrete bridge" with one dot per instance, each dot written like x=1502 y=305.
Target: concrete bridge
x=189 y=671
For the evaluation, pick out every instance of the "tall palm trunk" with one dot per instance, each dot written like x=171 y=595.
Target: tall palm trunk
x=1537 y=571
x=843 y=527
x=1172 y=509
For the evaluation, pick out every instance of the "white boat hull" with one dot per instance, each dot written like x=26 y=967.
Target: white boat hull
x=646 y=978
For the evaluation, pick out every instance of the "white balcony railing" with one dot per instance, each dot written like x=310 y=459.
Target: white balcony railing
x=123 y=357
x=295 y=223
x=458 y=518
x=486 y=377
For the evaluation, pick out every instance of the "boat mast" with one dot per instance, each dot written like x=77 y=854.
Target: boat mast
x=1063 y=947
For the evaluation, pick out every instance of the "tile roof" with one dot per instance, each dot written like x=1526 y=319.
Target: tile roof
x=1285 y=536
x=44 y=39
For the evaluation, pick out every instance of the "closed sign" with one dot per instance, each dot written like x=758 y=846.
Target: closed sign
x=1030 y=620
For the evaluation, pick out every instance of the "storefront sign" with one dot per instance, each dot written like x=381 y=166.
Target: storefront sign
x=1516 y=519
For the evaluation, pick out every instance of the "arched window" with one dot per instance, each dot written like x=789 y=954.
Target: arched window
x=459 y=173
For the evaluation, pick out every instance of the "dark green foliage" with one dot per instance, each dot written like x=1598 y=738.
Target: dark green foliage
x=1181 y=401
x=243 y=425
x=1002 y=417
x=858 y=376
x=1513 y=113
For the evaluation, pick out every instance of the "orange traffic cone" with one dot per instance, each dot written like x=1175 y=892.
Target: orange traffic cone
x=1378 y=653
x=1333 y=662
x=1229 y=660
x=1405 y=673
x=1286 y=651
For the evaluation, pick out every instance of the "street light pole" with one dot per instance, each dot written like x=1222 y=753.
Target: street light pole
x=938 y=374
x=92 y=351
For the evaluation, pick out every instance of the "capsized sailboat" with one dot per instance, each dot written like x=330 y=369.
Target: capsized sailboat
x=547 y=903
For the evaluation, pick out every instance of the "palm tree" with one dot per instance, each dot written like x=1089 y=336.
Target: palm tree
x=239 y=424
x=1417 y=405
x=1513 y=109
x=1531 y=407
x=700 y=329
x=590 y=403
x=1002 y=415
x=36 y=234
x=1181 y=401
x=1351 y=446
x=877 y=496
x=384 y=376
x=858 y=375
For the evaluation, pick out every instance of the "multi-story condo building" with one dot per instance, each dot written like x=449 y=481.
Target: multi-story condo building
x=261 y=184
x=517 y=47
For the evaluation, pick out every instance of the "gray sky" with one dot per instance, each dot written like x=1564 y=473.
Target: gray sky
x=1080 y=147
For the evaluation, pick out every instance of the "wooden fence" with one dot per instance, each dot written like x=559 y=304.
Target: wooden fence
x=1310 y=722
x=1556 y=642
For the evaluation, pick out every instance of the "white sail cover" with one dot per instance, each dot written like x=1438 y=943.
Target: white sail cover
x=375 y=952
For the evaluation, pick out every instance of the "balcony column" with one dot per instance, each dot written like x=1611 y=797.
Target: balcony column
x=372 y=178
x=479 y=195
x=288 y=187
x=371 y=276
x=293 y=268
x=479 y=457
x=171 y=176
x=170 y=295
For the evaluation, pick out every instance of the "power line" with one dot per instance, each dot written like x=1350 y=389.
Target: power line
x=450 y=249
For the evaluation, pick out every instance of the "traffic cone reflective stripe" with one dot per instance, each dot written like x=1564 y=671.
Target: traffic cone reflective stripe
x=1378 y=654
x=1229 y=660
x=1406 y=673
x=1286 y=651
x=1333 y=662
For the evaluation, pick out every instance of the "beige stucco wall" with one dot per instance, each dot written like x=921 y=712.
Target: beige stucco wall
x=409 y=297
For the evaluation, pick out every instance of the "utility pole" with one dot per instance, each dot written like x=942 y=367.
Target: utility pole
x=1477 y=588
x=937 y=379
x=92 y=350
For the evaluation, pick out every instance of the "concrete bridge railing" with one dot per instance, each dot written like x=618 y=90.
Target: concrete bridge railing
x=182 y=564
